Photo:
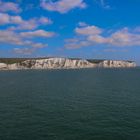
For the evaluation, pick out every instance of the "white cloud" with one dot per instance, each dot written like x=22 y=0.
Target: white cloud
x=21 y=24
x=92 y=35
x=124 y=38
x=13 y=38
x=63 y=6
x=45 y=20
x=10 y=37
x=29 y=50
x=4 y=19
x=24 y=51
x=24 y=39
x=9 y=7
x=34 y=23
x=15 y=20
x=20 y=32
x=88 y=30
x=97 y=39
x=37 y=33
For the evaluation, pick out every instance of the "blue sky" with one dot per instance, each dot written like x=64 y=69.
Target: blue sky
x=100 y=29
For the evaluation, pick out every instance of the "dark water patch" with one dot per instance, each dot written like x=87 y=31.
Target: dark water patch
x=86 y=104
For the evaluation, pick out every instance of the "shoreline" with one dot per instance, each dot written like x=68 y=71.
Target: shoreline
x=59 y=69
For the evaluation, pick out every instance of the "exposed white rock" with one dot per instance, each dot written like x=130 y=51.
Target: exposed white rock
x=117 y=64
x=65 y=63
x=3 y=66
x=57 y=63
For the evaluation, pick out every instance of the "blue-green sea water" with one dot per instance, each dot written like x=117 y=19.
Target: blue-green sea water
x=86 y=104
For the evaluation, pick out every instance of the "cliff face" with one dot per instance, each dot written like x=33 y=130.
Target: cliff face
x=117 y=64
x=65 y=63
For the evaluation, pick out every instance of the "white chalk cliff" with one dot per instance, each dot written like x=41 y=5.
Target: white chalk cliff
x=65 y=63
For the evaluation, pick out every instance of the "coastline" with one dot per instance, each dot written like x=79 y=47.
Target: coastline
x=62 y=63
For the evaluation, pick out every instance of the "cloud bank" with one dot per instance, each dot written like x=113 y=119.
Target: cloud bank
x=93 y=35
x=9 y=7
x=19 y=32
x=63 y=6
x=22 y=24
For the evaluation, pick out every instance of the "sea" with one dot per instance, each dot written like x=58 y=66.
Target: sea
x=74 y=104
